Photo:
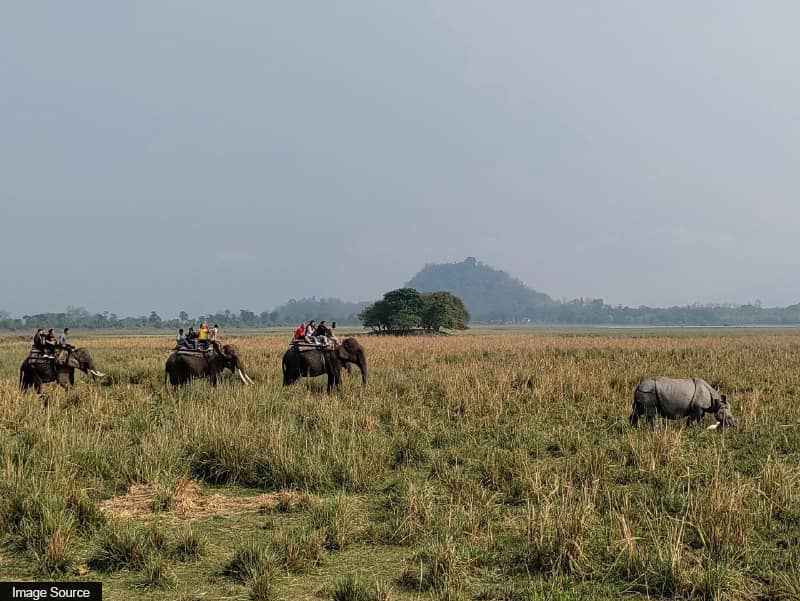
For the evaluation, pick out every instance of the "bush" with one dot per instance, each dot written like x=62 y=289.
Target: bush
x=355 y=587
x=120 y=546
x=190 y=546
x=334 y=517
x=252 y=560
x=157 y=574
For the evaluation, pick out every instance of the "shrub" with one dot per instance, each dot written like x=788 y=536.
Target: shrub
x=251 y=560
x=156 y=574
x=300 y=547
x=335 y=518
x=190 y=546
x=119 y=546
x=355 y=587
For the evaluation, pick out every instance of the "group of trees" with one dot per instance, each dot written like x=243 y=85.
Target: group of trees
x=405 y=309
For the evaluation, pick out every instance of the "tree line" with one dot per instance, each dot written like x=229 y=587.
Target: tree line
x=291 y=313
x=405 y=311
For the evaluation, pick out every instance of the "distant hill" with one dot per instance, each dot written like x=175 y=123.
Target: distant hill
x=493 y=296
x=489 y=294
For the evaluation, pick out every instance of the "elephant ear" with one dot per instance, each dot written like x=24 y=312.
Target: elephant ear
x=72 y=361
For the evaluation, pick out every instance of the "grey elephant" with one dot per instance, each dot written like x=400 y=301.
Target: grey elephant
x=671 y=398
x=184 y=364
x=38 y=369
x=313 y=362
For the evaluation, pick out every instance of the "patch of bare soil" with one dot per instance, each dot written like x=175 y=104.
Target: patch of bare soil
x=184 y=502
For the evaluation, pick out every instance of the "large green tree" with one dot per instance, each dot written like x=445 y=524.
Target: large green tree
x=406 y=309
x=443 y=310
x=399 y=311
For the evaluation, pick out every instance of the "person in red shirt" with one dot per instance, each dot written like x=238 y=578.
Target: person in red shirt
x=300 y=333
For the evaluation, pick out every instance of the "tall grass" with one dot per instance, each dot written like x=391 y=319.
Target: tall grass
x=468 y=461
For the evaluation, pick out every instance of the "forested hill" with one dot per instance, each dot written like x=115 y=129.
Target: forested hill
x=493 y=296
x=489 y=294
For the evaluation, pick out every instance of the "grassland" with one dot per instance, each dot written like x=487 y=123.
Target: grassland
x=488 y=466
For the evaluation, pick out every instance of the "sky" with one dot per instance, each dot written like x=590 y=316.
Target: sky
x=201 y=155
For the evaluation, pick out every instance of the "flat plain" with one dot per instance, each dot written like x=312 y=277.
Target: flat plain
x=496 y=465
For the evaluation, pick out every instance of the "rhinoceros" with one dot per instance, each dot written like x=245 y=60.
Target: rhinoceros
x=675 y=398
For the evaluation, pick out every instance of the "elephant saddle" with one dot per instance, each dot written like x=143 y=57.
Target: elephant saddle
x=303 y=346
x=195 y=352
x=38 y=356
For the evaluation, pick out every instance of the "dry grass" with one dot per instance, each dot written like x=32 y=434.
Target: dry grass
x=487 y=466
x=143 y=501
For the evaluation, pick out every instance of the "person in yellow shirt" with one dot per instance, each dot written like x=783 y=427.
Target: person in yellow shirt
x=202 y=335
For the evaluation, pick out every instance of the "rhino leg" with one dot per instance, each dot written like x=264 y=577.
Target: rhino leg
x=695 y=417
x=644 y=403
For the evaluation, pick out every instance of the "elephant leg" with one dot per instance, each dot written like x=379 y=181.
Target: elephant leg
x=63 y=379
x=213 y=379
x=24 y=379
x=334 y=376
x=290 y=376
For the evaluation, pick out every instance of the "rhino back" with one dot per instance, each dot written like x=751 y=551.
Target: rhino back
x=675 y=395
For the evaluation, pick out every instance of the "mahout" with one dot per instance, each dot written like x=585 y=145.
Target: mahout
x=678 y=398
x=40 y=368
x=308 y=360
x=186 y=364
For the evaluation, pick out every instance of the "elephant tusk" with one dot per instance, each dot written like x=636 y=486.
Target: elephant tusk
x=713 y=427
x=97 y=373
x=249 y=379
x=241 y=376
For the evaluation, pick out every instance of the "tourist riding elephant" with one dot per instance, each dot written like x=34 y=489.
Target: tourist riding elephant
x=37 y=370
x=678 y=398
x=315 y=362
x=184 y=365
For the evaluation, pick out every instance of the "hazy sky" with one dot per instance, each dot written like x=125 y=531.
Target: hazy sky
x=206 y=155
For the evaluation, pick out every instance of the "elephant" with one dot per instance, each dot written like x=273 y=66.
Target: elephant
x=37 y=370
x=184 y=365
x=315 y=362
x=674 y=398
